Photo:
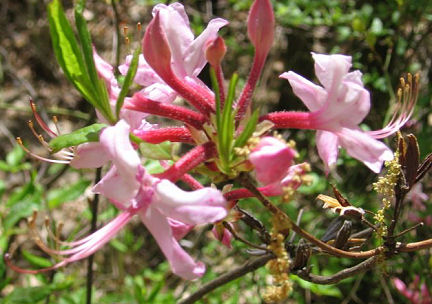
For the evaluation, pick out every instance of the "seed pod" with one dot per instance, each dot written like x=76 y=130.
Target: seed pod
x=343 y=235
x=302 y=256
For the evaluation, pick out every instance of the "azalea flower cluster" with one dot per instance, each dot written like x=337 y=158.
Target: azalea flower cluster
x=223 y=142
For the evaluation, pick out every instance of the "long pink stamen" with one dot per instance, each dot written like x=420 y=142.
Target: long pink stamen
x=296 y=120
x=246 y=94
x=407 y=98
x=142 y=104
x=40 y=121
x=85 y=248
x=56 y=161
x=166 y=134
x=189 y=161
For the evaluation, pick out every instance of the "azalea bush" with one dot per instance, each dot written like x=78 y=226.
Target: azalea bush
x=180 y=145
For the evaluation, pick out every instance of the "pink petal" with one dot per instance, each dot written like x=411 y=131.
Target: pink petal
x=194 y=55
x=175 y=25
x=179 y=229
x=313 y=96
x=159 y=92
x=117 y=188
x=181 y=263
x=291 y=180
x=364 y=148
x=89 y=155
x=145 y=75
x=330 y=69
x=201 y=206
x=328 y=147
x=271 y=159
x=222 y=234
x=120 y=183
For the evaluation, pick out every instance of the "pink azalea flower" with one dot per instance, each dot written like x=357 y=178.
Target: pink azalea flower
x=412 y=292
x=271 y=159
x=337 y=109
x=166 y=210
x=417 y=197
x=188 y=53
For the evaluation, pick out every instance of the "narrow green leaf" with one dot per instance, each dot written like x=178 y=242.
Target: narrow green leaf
x=128 y=80
x=226 y=132
x=248 y=130
x=80 y=136
x=87 y=48
x=36 y=260
x=216 y=91
x=67 y=50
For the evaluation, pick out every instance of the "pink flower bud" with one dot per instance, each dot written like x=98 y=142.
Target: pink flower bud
x=261 y=26
x=215 y=50
x=222 y=234
x=271 y=159
x=156 y=49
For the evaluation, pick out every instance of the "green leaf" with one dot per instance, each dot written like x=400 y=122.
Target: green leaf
x=29 y=295
x=162 y=151
x=19 y=211
x=15 y=157
x=67 y=51
x=66 y=193
x=226 y=132
x=36 y=260
x=248 y=130
x=321 y=290
x=80 y=136
x=87 y=49
x=216 y=91
x=79 y=68
x=128 y=80
x=120 y=246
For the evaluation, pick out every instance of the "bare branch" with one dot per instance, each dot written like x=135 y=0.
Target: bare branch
x=339 y=276
x=228 y=277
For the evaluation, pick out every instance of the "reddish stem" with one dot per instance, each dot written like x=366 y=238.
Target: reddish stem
x=196 y=95
x=192 y=182
x=142 y=104
x=246 y=94
x=292 y=120
x=180 y=134
x=189 y=161
x=220 y=80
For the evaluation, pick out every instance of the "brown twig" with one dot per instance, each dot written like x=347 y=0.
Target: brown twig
x=228 y=277
x=246 y=181
x=414 y=246
x=339 y=276
x=239 y=238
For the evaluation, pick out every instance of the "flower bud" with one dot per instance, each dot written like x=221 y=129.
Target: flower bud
x=215 y=50
x=261 y=26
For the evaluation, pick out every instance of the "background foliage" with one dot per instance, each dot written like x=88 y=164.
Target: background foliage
x=385 y=38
